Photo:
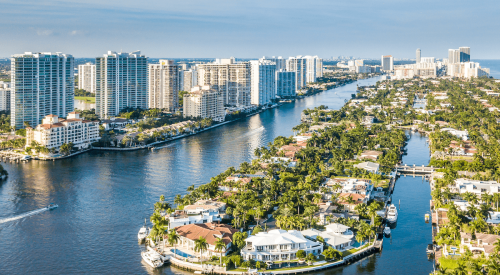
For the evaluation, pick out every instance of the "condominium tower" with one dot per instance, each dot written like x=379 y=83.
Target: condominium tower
x=299 y=66
x=5 y=96
x=263 y=74
x=230 y=79
x=464 y=54
x=419 y=54
x=453 y=56
x=164 y=85
x=285 y=84
x=188 y=79
x=280 y=62
x=387 y=63
x=42 y=84
x=120 y=82
x=86 y=77
x=204 y=102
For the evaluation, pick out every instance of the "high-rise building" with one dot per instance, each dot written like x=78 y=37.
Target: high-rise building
x=387 y=63
x=299 y=66
x=163 y=91
x=285 y=84
x=314 y=68
x=419 y=54
x=453 y=56
x=230 y=79
x=464 y=54
x=121 y=82
x=86 y=77
x=41 y=84
x=204 y=102
x=4 y=96
x=359 y=62
x=188 y=79
x=280 y=62
x=263 y=78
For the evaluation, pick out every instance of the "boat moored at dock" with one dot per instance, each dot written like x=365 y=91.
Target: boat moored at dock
x=392 y=214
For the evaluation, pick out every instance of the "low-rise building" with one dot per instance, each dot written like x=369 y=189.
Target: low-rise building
x=180 y=218
x=368 y=166
x=477 y=187
x=337 y=236
x=371 y=155
x=482 y=243
x=54 y=132
x=210 y=231
x=205 y=207
x=204 y=102
x=278 y=245
x=115 y=123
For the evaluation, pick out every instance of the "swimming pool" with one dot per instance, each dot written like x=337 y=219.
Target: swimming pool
x=180 y=253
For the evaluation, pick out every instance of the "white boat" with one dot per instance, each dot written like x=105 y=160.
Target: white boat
x=52 y=206
x=152 y=259
x=387 y=230
x=158 y=254
x=143 y=233
x=392 y=214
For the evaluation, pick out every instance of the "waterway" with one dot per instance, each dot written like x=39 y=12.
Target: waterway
x=104 y=197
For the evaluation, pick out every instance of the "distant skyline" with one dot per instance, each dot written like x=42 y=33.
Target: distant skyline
x=251 y=29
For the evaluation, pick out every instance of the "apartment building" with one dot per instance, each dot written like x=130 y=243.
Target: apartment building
x=299 y=66
x=55 y=131
x=86 y=77
x=121 y=82
x=230 y=79
x=41 y=84
x=387 y=63
x=4 y=96
x=286 y=84
x=263 y=87
x=205 y=102
x=163 y=91
x=188 y=79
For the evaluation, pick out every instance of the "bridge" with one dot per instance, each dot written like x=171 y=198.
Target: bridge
x=406 y=169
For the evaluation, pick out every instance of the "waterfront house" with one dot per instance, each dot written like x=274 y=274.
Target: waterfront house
x=234 y=183
x=368 y=166
x=210 y=231
x=205 y=207
x=464 y=135
x=337 y=236
x=289 y=151
x=325 y=210
x=477 y=187
x=352 y=186
x=483 y=243
x=303 y=137
x=180 y=218
x=278 y=245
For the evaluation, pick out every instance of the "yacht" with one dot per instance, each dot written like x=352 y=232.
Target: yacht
x=430 y=249
x=387 y=230
x=392 y=214
x=143 y=232
x=52 y=206
x=158 y=254
x=152 y=259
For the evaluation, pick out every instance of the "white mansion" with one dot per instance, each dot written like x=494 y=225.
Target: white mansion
x=278 y=245
x=54 y=132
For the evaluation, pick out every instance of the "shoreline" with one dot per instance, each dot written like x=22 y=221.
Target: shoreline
x=151 y=145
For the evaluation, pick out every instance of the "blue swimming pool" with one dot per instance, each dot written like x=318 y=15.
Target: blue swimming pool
x=180 y=253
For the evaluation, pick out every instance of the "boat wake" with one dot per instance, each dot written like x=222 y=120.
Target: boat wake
x=25 y=215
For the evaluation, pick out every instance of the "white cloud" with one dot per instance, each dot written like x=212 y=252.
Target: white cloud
x=44 y=32
x=74 y=32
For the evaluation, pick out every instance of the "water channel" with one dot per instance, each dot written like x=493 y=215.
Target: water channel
x=104 y=198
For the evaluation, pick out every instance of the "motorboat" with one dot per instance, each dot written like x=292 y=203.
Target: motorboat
x=152 y=259
x=387 y=230
x=392 y=214
x=430 y=249
x=143 y=232
x=52 y=206
x=158 y=254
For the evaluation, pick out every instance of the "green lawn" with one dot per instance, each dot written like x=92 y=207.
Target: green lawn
x=86 y=99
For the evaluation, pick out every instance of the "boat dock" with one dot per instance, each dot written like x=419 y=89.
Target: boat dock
x=13 y=156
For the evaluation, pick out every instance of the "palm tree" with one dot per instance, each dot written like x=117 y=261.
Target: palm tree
x=220 y=246
x=173 y=238
x=200 y=245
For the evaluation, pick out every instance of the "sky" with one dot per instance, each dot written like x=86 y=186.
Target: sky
x=251 y=28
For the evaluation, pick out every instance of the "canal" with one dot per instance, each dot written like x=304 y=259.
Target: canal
x=104 y=198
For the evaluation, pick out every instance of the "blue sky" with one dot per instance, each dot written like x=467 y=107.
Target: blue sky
x=251 y=28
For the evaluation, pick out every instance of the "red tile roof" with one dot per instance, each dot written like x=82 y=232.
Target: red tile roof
x=209 y=231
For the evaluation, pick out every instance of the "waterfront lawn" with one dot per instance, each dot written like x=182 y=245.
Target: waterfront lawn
x=86 y=99
x=448 y=263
